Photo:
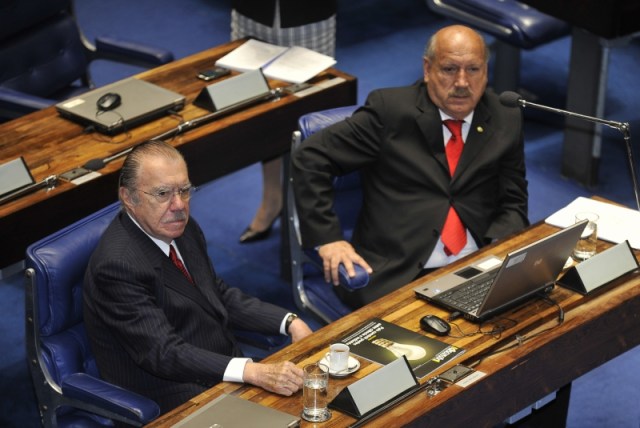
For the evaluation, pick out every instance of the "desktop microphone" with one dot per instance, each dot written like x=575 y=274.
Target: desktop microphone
x=98 y=164
x=513 y=99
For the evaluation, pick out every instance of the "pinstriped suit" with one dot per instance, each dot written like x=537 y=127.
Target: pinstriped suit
x=395 y=140
x=154 y=332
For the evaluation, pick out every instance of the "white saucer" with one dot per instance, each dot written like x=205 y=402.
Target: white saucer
x=354 y=365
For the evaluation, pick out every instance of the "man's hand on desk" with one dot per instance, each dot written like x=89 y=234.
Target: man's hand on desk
x=334 y=253
x=282 y=378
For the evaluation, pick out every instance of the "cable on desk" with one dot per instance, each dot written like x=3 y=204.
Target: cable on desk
x=521 y=339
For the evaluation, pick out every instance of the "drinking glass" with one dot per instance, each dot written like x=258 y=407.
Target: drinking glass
x=586 y=246
x=315 y=393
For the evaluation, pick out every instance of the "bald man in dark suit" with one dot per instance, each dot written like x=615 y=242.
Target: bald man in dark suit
x=161 y=329
x=410 y=189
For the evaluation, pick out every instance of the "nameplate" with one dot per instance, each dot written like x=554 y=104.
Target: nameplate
x=233 y=91
x=377 y=391
x=601 y=269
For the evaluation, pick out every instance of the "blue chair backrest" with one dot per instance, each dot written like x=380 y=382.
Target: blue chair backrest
x=59 y=263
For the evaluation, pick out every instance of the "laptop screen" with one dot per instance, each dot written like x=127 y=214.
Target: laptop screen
x=14 y=175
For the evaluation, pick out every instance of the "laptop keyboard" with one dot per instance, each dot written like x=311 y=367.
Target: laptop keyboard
x=469 y=295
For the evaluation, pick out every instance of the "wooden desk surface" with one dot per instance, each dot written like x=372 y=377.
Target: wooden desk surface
x=596 y=329
x=52 y=145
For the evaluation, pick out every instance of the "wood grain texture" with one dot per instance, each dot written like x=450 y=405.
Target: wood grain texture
x=52 y=145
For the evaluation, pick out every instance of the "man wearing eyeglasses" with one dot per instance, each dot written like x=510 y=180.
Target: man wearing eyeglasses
x=158 y=318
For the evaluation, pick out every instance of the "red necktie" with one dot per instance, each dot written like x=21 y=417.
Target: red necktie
x=454 y=235
x=176 y=261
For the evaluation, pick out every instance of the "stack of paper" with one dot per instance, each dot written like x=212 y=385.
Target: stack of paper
x=615 y=224
x=295 y=64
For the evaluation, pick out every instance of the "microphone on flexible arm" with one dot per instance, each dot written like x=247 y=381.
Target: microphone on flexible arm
x=513 y=99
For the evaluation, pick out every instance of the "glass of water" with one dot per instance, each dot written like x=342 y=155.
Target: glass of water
x=315 y=393
x=586 y=246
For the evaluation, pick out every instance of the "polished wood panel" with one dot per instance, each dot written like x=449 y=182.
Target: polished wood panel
x=52 y=145
x=596 y=328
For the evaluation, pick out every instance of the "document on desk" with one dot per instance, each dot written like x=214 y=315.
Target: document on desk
x=615 y=224
x=295 y=64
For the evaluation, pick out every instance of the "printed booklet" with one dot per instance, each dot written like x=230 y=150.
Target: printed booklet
x=383 y=342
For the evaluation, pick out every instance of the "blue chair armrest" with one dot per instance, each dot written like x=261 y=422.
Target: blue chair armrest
x=361 y=279
x=131 y=52
x=91 y=390
x=19 y=103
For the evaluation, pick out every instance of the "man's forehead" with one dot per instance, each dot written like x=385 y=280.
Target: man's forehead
x=161 y=171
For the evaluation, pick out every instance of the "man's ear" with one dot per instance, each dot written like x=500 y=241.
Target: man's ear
x=126 y=197
x=426 y=66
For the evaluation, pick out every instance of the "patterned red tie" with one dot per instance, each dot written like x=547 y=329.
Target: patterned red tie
x=176 y=261
x=454 y=235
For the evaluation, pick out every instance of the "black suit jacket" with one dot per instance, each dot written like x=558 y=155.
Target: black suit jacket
x=154 y=332
x=395 y=140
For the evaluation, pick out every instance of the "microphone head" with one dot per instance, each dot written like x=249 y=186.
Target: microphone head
x=94 y=164
x=510 y=99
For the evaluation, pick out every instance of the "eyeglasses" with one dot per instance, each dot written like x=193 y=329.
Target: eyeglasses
x=162 y=196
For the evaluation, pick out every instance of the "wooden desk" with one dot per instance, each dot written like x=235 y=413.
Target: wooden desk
x=596 y=329
x=52 y=145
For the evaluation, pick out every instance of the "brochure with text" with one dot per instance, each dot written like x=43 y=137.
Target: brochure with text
x=383 y=342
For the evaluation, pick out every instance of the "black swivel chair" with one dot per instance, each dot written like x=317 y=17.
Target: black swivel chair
x=44 y=57
x=311 y=293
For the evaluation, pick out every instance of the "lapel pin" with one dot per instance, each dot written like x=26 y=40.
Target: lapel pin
x=480 y=129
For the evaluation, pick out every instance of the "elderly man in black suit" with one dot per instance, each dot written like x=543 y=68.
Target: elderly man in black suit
x=158 y=317
x=422 y=208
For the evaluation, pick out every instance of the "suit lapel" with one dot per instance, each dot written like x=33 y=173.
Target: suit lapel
x=172 y=277
x=428 y=120
x=479 y=135
x=199 y=268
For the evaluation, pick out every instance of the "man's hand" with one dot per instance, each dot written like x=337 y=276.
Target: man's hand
x=298 y=330
x=282 y=378
x=334 y=253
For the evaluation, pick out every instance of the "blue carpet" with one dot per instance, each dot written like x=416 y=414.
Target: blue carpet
x=380 y=42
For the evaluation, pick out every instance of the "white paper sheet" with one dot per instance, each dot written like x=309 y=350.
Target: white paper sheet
x=615 y=224
x=295 y=64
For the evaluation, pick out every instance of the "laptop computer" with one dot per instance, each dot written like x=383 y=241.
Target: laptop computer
x=141 y=102
x=229 y=411
x=491 y=286
x=14 y=175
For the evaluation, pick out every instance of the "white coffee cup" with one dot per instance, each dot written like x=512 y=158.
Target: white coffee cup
x=338 y=357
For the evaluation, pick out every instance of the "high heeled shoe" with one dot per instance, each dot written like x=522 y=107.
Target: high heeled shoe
x=250 y=235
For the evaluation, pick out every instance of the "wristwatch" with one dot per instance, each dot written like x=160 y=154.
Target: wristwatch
x=288 y=322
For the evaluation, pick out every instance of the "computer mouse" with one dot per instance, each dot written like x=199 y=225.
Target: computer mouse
x=108 y=101
x=435 y=325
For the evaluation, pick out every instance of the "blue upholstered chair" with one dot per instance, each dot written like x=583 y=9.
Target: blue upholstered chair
x=514 y=25
x=44 y=57
x=311 y=293
x=63 y=369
